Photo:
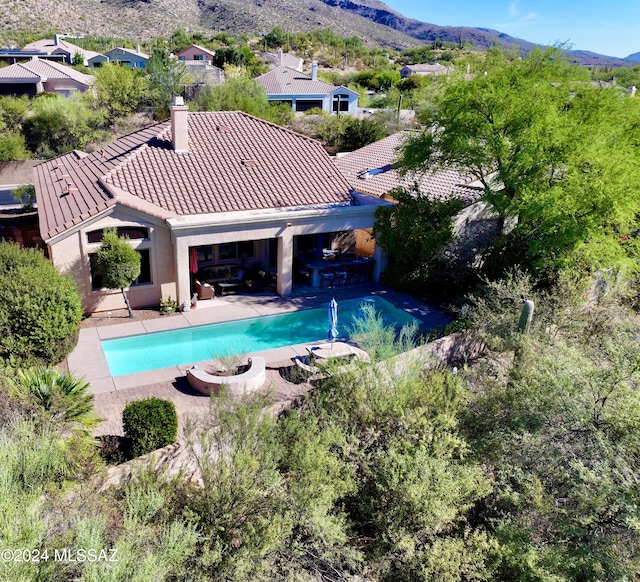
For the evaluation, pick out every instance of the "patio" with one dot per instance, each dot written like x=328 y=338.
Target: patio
x=111 y=394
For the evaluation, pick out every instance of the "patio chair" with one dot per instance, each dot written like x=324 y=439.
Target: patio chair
x=204 y=290
x=312 y=371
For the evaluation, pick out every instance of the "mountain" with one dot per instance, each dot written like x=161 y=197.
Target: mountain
x=634 y=58
x=144 y=20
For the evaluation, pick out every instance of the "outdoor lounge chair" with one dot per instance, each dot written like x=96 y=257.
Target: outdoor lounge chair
x=312 y=371
x=204 y=290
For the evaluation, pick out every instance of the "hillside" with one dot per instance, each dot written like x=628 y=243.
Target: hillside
x=143 y=20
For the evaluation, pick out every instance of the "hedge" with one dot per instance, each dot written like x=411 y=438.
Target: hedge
x=150 y=424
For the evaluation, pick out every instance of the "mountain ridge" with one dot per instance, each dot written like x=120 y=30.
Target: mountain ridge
x=143 y=20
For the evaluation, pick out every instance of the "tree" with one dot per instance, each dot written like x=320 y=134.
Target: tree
x=229 y=56
x=167 y=77
x=119 y=91
x=549 y=149
x=40 y=309
x=118 y=262
x=357 y=133
x=243 y=94
x=12 y=114
x=414 y=232
x=58 y=125
x=26 y=195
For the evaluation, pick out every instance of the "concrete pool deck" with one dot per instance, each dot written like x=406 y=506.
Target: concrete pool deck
x=111 y=393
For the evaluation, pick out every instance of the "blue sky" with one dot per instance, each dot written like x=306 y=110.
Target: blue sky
x=610 y=28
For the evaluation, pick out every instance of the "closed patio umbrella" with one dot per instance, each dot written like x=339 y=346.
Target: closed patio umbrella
x=333 y=321
x=193 y=260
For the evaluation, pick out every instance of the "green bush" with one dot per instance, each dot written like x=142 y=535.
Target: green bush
x=150 y=424
x=40 y=309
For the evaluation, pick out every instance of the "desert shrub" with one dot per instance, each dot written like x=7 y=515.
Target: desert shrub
x=150 y=424
x=40 y=309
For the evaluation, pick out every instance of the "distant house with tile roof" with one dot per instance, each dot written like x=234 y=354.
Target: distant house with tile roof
x=282 y=59
x=424 y=70
x=132 y=58
x=38 y=75
x=222 y=187
x=59 y=46
x=196 y=53
x=304 y=92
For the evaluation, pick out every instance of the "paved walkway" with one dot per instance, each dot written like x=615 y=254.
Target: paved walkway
x=112 y=393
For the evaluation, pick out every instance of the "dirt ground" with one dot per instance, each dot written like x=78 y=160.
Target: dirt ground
x=119 y=316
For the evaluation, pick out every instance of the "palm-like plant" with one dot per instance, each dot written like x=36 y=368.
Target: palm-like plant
x=63 y=396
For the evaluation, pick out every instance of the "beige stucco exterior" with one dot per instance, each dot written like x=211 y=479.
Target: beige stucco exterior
x=170 y=242
x=70 y=254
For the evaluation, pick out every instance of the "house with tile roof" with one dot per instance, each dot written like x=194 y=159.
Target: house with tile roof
x=374 y=171
x=304 y=92
x=196 y=53
x=424 y=70
x=132 y=58
x=210 y=188
x=38 y=75
x=282 y=59
x=59 y=46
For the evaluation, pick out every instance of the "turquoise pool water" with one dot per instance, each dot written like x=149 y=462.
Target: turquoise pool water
x=171 y=348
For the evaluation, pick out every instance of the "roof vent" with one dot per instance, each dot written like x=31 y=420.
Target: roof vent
x=223 y=128
x=249 y=163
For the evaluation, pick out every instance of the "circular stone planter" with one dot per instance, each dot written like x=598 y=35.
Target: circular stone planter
x=252 y=379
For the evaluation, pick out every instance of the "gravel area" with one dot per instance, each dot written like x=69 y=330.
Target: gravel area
x=119 y=316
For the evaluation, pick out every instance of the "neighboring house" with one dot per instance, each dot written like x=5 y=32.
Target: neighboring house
x=196 y=53
x=200 y=74
x=211 y=188
x=37 y=75
x=373 y=170
x=12 y=56
x=132 y=58
x=424 y=70
x=304 y=92
x=282 y=59
x=59 y=46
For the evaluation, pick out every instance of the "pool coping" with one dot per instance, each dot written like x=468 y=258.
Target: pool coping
x=89 y=361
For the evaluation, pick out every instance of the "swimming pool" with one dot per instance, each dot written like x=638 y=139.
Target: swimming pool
x=193 y=344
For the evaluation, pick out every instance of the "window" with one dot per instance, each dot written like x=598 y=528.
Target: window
x=131 y=232
x=143 y=279
x=225 y=253
x=340 y=102
x=236 y=250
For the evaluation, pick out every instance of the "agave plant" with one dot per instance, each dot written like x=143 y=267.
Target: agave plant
x=63 y=396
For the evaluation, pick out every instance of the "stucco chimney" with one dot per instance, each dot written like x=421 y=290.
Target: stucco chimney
x=138 y=49
x=179 y=126
x=280 y=59
x=314 y=70
x=56 y=38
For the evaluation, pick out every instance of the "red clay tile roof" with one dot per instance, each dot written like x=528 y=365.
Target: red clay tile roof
x=235 y=162
x=380 y=157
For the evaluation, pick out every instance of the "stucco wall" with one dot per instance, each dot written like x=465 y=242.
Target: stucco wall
x=71 y=255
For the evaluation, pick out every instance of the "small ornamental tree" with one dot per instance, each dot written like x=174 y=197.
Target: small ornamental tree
x=118 y=262
x=150 y=424
x=40 y=309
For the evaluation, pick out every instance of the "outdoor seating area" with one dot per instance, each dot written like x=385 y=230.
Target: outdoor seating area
x=322 y=358
x=335 y=270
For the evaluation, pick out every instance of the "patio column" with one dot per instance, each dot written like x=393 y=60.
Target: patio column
x=285 y=263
